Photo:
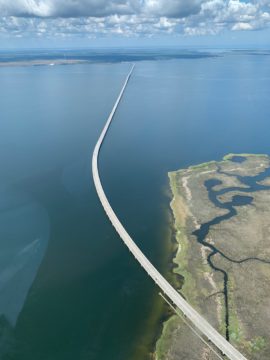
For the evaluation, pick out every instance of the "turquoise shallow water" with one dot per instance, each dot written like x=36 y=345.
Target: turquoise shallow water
x=69 y=288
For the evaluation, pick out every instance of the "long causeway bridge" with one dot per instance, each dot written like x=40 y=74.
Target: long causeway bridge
x=175 y=297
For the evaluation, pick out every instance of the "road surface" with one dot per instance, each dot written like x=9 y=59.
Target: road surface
x=200 y=323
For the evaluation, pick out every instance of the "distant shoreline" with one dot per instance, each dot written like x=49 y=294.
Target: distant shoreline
x=68 y=57
x=50 y=62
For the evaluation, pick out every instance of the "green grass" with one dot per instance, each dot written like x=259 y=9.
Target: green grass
x=235 y=330
x=257 y=344
x=188 y=289
x=202 y=165
x=181 y=259
x=192 y=167
x=165 y=341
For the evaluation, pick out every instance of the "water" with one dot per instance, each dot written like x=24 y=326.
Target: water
x=82 y=295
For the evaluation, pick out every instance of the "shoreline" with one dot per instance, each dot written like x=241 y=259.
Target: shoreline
x=171 y=250
x=50 y=62
x=176 y=278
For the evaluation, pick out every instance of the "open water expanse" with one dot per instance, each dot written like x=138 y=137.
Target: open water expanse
x=69 y=289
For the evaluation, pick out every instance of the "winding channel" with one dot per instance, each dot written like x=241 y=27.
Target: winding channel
x=251 y=185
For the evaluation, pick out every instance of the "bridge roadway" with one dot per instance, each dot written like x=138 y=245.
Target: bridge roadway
x=200 y=323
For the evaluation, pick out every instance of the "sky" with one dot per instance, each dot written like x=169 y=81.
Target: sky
x=86 y=23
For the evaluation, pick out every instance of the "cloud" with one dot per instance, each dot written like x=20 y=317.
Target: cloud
x=172 y=8
x=49 y=8
x=94 y=8
x=241 y=26
x=24 y=8
x=74 y=8
x=65 y=18
x=235 y=15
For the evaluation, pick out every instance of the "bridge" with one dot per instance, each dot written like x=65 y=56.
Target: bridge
x=175 y=297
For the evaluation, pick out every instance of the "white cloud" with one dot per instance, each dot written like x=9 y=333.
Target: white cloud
x=25 y=8
x=241 y=26
x=217 y=15
x=49 y=18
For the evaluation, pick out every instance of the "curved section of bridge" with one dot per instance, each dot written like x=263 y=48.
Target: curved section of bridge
x=198 y=321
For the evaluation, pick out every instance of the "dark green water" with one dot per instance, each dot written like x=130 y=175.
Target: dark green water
x=78 y=293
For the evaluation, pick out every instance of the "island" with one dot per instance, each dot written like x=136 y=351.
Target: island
x=221 y=213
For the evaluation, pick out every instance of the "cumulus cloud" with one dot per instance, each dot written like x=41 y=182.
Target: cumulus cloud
x=172 y=8
x=241 y=26
x=131 y=17
x=74 y=8
x=216 y=15
x=24 y=8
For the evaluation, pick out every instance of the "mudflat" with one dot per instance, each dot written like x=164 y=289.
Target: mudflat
x=222 y=229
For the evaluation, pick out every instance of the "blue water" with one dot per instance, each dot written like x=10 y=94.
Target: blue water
x=81 y=294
